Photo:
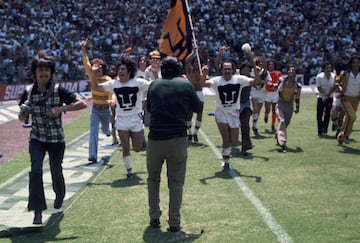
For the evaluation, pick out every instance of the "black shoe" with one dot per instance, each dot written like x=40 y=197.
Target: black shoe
x=174 y=229
x=58 y=202
x=130 y=176
x=244 y=153
x=266 y=119
x=196 y=139
x=334 y=127
x=256 y=131
x=155 y=223
x=92 y=160
x=37 y=217
x=190 y=138
x=226 y=166
x=283 y=149
x=273 y=129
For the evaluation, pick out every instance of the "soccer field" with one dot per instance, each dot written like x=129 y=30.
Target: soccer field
x=309 y=194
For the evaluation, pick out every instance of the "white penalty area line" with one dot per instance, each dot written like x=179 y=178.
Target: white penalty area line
x=279 y=232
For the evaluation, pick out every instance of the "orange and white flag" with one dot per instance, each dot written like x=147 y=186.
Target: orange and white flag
x=176 y=35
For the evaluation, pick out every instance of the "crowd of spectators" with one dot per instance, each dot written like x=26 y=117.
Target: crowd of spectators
x=299 y=31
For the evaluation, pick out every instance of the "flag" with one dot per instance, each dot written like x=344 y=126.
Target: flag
x=176 y=35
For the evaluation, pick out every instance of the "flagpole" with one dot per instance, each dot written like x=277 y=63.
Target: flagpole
x=193 y=36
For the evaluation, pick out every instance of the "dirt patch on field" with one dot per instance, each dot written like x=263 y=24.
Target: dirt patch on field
x=14 y=138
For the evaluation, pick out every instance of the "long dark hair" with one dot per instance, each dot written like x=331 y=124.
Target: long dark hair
x=42 y=60
x=130 y=65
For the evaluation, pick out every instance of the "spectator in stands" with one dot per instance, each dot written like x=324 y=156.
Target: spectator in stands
x=326 y=26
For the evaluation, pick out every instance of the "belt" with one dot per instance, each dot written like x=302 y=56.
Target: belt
x=100 y=107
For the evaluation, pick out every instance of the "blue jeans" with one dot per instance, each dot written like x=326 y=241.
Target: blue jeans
x=37 y=152
x=98 y=116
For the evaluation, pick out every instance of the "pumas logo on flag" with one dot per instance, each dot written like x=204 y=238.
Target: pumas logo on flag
x=176 y=36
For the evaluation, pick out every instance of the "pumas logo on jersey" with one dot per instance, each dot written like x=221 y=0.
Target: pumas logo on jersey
x=126 y=97
x=229 y=94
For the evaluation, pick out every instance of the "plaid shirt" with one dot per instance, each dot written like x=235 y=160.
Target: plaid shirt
x=45 y=128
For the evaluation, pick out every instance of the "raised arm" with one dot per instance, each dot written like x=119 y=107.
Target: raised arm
x=247 y=49
x=204 y=75
x=85 y=58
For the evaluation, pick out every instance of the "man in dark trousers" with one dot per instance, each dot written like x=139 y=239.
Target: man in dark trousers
x=170 y=99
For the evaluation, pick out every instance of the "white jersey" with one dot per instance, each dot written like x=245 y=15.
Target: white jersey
x=326 y=83
x=149 y=75
x=140 y=74
x=128 y=95
x=228 y=92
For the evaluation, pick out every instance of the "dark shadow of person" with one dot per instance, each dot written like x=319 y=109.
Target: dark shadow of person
x=156 y=235
x=47 y=233
x=136 y=181
x=350 y=150
x=228 y=174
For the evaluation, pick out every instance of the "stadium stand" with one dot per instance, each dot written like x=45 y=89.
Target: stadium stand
x=302 y=32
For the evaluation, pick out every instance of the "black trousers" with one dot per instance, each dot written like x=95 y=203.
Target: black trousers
x=323 y=112
x=37 y=152
x=245 y=129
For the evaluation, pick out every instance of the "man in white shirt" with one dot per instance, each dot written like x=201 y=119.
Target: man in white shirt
x=324 y=82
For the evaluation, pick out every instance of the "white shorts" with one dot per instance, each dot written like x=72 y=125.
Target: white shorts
x=129 y=123
x=336 y=101
x=272 y=97
x=230 y=117
x=257 y=94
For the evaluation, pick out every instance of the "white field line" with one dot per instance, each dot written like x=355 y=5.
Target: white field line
x=279 y=232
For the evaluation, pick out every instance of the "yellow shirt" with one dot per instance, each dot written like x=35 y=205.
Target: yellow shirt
x=99 y=97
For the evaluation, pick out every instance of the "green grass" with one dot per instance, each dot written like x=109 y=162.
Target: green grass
x=312 y=192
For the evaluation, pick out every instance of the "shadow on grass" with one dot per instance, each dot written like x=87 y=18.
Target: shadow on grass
x=48 y=233
x=229 y=174
x=236 y=152
x=157 y=235
x=327 y=136
x=259 y=136
x=288 y=150
x=268 y=131
x=197 y=144
x=350 y=150
x=136 y=181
